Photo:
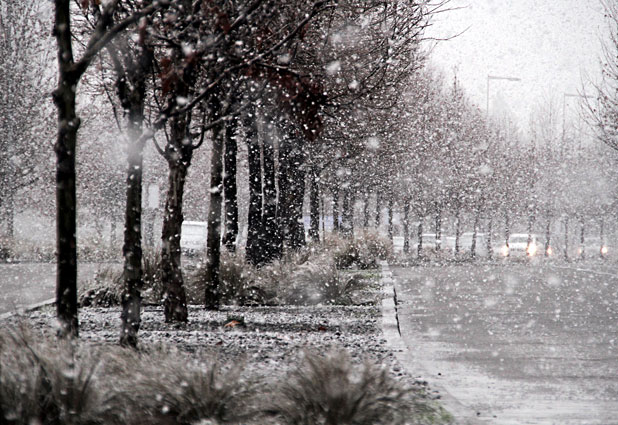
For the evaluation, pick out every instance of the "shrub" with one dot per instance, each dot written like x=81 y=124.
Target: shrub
x=239 y=282
x=50 y=383
x=329 y=390
x=105 y=290
x=316 y=281
x=170 y=385
x=364 y=251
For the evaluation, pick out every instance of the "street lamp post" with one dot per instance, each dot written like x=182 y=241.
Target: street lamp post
x=495 y=77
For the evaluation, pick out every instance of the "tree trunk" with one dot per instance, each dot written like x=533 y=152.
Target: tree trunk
x=438 y=228
x=346 y=214
x=229 y=186
x=566 y=238
x=406 y=226
x=271 y=238
x=132 y=249
x=490 y=251
x=335 y=204
x=475 y=229
x=178 y=155
x=291 y=193
x=548 y=237
x=457 y=248
x=602 y=237
x=253 y=252
x=133 y=99
x=7 y=205
x=531 y=220
x=581 y=238
x=314 y=206
x=390 y=218
x=66 y=207
x=377 y=218
x=419 y=233
x=212 y=295
x=366 y=210
x=507 y=231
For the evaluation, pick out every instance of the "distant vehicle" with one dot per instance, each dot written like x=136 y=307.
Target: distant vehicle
x=519 y=246
x=465 y=243
x=193 y=237
x=430 y=241
x=593 y=247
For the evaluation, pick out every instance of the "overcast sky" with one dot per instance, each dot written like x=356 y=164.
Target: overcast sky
x=552 y=45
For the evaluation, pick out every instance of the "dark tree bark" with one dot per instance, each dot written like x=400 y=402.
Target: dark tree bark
x=212 y=296
x=291 y=192
x=178 y=154
x=582 y=228
x=270 y=239
x=475 y=229
x=229 y=186
x=314 y=206
x=347 y=214
x=335 y=204
x=548 y=236
x=531 y=220
x=507 y=231
x=457 y=229
x=378 y=212
x=566 y=238
x=406 y=226
x=131 y=76
x=366 y=210
x=253 y=252
x=390 y=218
x=438 y=228
x=66 y=225
x=419 y=233
x=490 y=251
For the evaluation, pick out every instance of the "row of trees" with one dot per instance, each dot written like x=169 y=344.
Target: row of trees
x=291 y=74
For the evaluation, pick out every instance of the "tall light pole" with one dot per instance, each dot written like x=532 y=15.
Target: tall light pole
x=495 y=77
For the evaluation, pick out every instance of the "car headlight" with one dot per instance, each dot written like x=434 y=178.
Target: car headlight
x=531 y=249
x=549 y=250
x=505 y=250
x=604 y=250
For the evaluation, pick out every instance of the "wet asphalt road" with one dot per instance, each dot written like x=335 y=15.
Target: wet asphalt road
x=25 y=284
x=517 y=343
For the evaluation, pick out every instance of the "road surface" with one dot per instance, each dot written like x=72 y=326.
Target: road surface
x=515 y=344
x=25 y=284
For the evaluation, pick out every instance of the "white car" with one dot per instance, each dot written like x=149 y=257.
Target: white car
x=193 y=237
x=593 y=247
x=465 y=243
x=522 y=244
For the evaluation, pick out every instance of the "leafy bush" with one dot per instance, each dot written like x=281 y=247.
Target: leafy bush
x=329 y=390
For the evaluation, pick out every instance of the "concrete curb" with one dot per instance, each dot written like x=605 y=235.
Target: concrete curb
x=392 y=333
x=28 y=308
